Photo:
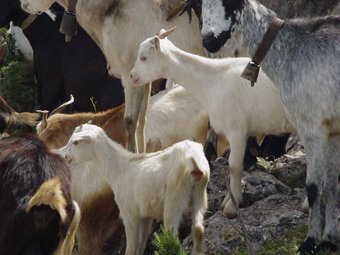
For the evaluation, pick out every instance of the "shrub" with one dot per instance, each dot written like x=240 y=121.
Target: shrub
x=166 y=243
x=17 y=80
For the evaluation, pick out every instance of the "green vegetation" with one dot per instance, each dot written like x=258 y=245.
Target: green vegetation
x=17 y=80
x=166 y=243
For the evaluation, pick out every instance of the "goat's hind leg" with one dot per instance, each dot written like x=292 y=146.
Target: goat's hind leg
x=329 y=193
x=238 y=144
x=199 y=206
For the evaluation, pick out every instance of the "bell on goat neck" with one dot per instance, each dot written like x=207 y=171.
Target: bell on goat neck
x=68 y=25
x=251 y=72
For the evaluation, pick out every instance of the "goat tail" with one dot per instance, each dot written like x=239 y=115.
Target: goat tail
x=27 y=118
x=200 y=170
x=50 y=193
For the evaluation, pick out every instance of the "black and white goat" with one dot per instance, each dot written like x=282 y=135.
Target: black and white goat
x=303 y=62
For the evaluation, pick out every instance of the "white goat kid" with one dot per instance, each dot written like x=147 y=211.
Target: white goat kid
x=163 y=185
x=117 y=27
x=236 y=111
x=303 y=62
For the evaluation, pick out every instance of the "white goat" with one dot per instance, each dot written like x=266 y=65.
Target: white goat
x=173 y=115
x=235 y=109
x=117 y=27
x=163 y=185
x=303 y=62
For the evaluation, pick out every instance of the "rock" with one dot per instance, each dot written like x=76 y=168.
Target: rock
x=264 y=220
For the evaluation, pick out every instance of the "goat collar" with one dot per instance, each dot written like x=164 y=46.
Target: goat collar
x=252 y=69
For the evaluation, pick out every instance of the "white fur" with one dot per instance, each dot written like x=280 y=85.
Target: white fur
x=21 y=42
x=236 y=110
x=162 y=184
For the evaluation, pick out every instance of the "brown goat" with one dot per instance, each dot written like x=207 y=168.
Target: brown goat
x=38 y=216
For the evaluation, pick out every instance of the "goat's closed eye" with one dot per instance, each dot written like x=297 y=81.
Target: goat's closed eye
x=75 y=142
x=143 y=59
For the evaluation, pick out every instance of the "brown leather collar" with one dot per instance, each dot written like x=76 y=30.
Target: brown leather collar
x=252 y=69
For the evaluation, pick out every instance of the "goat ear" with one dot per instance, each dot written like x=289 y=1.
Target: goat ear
x=157 y=43
x=85 y=138
x=164 y=34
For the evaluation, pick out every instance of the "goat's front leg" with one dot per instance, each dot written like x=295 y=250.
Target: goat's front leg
x=238 y=144
x=132 y=236
x=315 y=147
x=142 y=118
x=329 y=194
x=133 y=101
x=145 y=228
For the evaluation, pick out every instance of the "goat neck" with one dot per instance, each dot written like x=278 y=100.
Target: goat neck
x=190 y=71
x=112 y=156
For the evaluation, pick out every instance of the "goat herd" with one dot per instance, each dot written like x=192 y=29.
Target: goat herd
x=298 y=91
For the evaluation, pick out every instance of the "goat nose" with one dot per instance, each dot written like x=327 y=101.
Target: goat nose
x=208 y=37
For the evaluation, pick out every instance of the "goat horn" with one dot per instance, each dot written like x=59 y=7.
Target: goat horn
x=164 y=34
x=43 y=124
x=61 y=107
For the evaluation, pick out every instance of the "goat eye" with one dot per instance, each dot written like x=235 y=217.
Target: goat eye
x=143 y=59
x=75 y=142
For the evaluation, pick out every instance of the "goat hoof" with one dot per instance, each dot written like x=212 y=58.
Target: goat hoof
x=326 y=246
x=229 y=210
x=307 y=247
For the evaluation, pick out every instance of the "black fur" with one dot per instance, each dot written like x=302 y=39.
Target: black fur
x=312 y=192
x=25 y=163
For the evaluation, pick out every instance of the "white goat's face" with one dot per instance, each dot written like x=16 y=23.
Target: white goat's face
x=79 y=148
x=36 y=6
x=148 y=65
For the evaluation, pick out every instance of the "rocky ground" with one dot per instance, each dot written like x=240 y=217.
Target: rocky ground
x=272 y=192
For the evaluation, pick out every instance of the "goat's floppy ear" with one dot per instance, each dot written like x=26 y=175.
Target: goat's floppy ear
x=164 y=33
x=157 y=43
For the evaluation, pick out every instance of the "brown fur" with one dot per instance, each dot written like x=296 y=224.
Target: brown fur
x=103 y=225
x=61 y=126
